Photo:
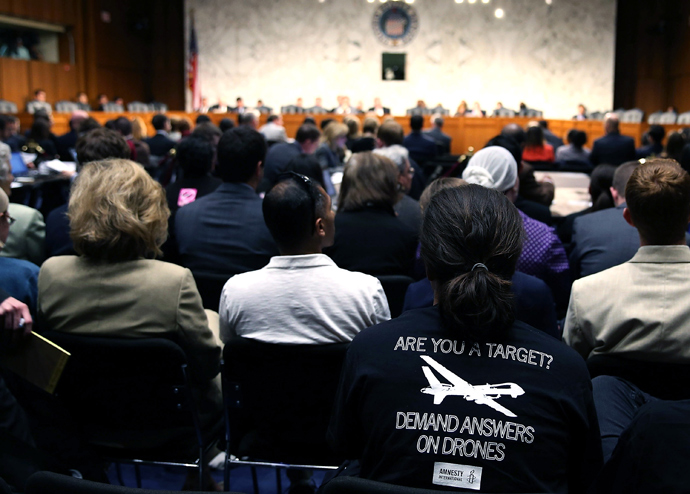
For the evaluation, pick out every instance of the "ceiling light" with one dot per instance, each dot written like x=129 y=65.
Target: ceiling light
x=486 y=1
x=459 y=1
x=499 y=13
x=471 y=1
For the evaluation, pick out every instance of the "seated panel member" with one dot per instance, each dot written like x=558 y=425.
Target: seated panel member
x=301 y=296
x=448 y=396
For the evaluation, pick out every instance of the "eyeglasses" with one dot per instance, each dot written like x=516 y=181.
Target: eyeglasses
x=10 y=220
x=309 y=186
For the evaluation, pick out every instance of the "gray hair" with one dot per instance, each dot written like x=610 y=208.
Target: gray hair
x=397 y=154
x=5 y=166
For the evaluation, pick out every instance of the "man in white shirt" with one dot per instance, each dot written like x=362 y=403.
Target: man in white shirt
x=301 y=296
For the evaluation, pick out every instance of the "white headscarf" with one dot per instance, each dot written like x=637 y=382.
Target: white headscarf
x=493 y=167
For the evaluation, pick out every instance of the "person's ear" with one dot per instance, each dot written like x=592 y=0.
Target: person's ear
x=628 y=216
x=614 y=194
x=260 y=168
x=320 y=230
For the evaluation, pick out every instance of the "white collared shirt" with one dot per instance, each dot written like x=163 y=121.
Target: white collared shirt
x=301 y=300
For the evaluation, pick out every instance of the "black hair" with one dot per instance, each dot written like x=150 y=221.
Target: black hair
x=656 y=133
x=324 y=123
x=515 y=132
x=534 y=137
x=600 y=183
x=508 y=143
x=272 y=118
x=307 y=165
x=99 y=144
x=577 y=138
x=158 y=121
x=245 y=118
x=307 y=132
x=416 y=122
x=88 y=125
x=123 y=125
x=110 y=124
x=40 y=130
x=38 y=91
x=463 y=227
x=226 y=124
x=207 y=131
x=239 y=151
x=202 y=119
x=309 y=120
x=195 y=156
x=290 y=210
x=543 y=124
x=3 y=123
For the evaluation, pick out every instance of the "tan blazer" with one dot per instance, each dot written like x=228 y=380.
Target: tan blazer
x=638 y=309
x=133 y=299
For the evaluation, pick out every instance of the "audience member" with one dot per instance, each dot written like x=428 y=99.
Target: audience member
x=408 y=209
x=655 y=148
x=327 y=305
x=600 y=184
x=40 y=140
x=367 y=141
x=543 y=255
x=536 y=149
x=273 y=131
x=353 y=132
x=471 y=240
x=39 y=103
x=248 y=119
x=225 y=124
x=674 y=147
x=66 y=142
x=203 y=119
x=278 y=156
x=118 y=217
x=95 y=145
x=369 y=236
x=436 y=133
x=9 y=126
x=632 y=310
x=19 y=278
x=531 y=189
x=332 y=149
x=422 y=148
x=604 y=238
x=613 y=148
x=390 y=133
x=89 y=124
x=160 y=144
x=308 y=165
x=224 y=231
x=574 y=153
x=550 y=137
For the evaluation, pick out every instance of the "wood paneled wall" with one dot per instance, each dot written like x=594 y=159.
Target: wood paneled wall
x=138 y=55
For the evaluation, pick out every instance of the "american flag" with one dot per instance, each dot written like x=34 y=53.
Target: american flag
x=193 y=67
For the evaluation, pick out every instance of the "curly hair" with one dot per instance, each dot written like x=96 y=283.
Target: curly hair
x=117 y=212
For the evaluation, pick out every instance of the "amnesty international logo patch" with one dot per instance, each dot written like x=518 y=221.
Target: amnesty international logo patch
x=395 y=23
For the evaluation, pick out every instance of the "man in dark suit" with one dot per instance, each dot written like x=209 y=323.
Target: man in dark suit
x=613 y=148
x=656 y=134
x=604 y=239
x=160 y=144
x=66 y=143
x=390 y=133
x=549 y=136
x=421 y=147
x=442 y=140
x=224 y=232
x=379 y=109
x=279 y=155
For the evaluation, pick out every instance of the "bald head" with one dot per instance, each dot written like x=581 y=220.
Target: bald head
x=611 y=122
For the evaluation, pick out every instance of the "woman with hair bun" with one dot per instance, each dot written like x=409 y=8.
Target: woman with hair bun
x=461 y=395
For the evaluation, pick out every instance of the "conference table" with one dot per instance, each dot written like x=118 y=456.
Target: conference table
x=466 y=132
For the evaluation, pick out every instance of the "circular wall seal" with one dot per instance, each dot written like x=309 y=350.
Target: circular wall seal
x=395 y=23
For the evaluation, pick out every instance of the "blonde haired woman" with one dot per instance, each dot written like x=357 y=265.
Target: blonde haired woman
x=139 y=133
x=331 y=152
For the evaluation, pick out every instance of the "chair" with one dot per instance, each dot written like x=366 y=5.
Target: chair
x=356 y=485
x=133 y=401
x=654 y=118
x=66 y=106
x=575 y=166
x=210 y=287
x=439 y=110
x=53 y=483
x=504 y=112
x=156 y=106
x=7 y=106
x=317 y=110
x=597 y=115
x=534 y=113
x=138 y=107
x=395 y=287
x=663 y=380
x=668 y=118
x=113 y=108
x=278 y=401
x=632 y=116
x=543 y=166
x=684 y=118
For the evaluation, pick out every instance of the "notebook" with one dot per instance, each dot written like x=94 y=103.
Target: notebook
x=37 y=360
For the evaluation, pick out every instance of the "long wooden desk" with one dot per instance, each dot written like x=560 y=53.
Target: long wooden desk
x=466 y=132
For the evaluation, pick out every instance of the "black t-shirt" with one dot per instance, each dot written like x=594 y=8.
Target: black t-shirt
x=425 y=407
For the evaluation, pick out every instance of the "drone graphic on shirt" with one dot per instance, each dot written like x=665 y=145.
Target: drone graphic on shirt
x=481 y=395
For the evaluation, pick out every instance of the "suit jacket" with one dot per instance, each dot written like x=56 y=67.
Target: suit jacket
x=160 y=144
x=553 y=139
x=421 y=147
x=19 y=279
x=442 y=140
x=27 y=236
x=634 y=310
x=58 y=241
x=386 y=111
x=277 y=159
x=613 y=149
x=65 y=143
x=224 y=232
x=220 y=109
x=132 y=299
